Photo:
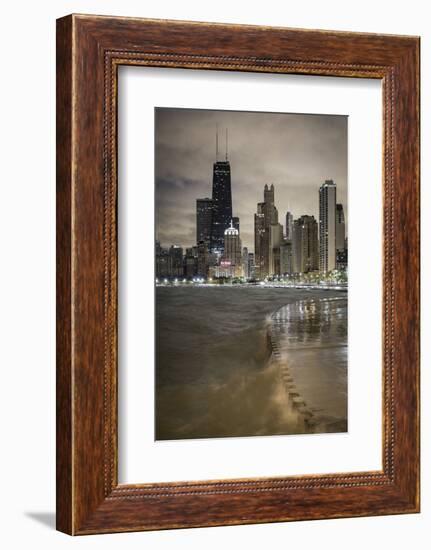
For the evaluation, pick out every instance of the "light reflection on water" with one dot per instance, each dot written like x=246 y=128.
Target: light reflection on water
x=310 y=337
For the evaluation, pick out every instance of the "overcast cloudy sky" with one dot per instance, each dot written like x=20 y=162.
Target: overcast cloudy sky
x=294 y=152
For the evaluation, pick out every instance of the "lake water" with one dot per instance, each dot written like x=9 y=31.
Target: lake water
x=249 y=360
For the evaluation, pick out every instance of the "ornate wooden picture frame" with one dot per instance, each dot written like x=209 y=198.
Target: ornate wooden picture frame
x=89 y=51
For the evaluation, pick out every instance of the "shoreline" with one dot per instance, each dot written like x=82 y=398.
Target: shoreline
x=309 y=417
x=300 y=286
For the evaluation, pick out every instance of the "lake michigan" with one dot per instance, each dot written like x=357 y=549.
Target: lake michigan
x=249 y=360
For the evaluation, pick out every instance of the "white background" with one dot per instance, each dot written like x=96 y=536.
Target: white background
x=27 y=122
x=141 y=458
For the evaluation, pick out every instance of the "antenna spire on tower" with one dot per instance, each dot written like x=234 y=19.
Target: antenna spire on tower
x=216 y=142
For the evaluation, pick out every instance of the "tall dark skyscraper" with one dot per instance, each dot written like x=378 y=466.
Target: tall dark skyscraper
x=204 y=210
x=327 y=216
x=222 y=201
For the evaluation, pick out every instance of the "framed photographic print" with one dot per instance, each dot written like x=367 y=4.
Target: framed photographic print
x=237 y=274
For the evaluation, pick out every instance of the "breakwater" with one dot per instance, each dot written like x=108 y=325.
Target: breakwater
x=308 y=340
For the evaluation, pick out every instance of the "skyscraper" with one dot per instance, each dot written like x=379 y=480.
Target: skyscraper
x=340 y=228
x=245 y=264
x=232 y=251
x=342 y=257
x=221 y=199
x=289 y=226
x=286 y=257
x=305 y=247
x=176 y=264
x=203 y=259
x=231 y=263
x=190 y=262
x=266 y=216
x=204 y=209
x=327 y=208
x=162 y=261
x=275 y=241
x=259 y=242
x=251 y=268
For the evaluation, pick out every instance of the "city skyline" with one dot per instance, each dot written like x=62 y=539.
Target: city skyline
x=305 y=246
x=264 y=148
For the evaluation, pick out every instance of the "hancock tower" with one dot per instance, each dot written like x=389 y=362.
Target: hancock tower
x=222 y=200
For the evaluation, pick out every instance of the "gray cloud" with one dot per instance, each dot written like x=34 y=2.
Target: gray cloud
x=294 y=152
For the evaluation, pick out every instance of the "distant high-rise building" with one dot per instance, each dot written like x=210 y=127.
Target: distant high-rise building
x=251 y=266
x=286 y=257
x=222 y=200
x=266 y=216
x=289 y=226
x=245 y=264
x=162 y=261
x=261 y=242
x=340 y=228
x=232 y=251
x=342 y=256
x=275 y=241
x=204 y=209
x=203 y=259
x=176 y=264
x=327 y=215
x=190 y=263
x=305 y=247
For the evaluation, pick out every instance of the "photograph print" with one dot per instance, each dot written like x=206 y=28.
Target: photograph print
x=251 y=273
